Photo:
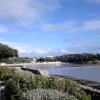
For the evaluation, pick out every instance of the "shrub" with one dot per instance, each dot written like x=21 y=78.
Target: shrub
x=5 y=73
x=56 y=83
x=24 y=81
x=74 y=89
x=13 y=91
x=47 y=94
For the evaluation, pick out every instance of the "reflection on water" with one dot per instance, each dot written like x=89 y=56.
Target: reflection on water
x=82 y=72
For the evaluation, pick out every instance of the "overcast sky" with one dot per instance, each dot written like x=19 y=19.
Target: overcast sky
x=50 y=27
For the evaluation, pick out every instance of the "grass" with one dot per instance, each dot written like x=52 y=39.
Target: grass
x=5 y=73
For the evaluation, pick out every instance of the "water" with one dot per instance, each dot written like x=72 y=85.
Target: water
x=91 y=73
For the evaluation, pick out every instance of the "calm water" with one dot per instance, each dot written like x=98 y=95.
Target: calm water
x=81 y=72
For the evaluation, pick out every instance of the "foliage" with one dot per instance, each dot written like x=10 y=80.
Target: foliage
x=73 y=58
x=16 y=60
x=5 y=73
x=24 y=81
x=12 y=90
x=47 y=94
x=6 y=52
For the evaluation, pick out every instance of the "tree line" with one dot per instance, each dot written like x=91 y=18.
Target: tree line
x=10 y=55
x=73 y=58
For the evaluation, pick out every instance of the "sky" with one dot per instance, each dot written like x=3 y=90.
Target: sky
x=50 y=27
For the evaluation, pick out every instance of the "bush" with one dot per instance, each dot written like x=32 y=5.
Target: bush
x=23 y=81
x=74 y=89
x=5 y=73
x=12 y=90
x=47 y=94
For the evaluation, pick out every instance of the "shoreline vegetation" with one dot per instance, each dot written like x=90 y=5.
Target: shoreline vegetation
x=25 y=80
x=19 y=82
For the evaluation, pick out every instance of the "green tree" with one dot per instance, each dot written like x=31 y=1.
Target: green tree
x=6 y=51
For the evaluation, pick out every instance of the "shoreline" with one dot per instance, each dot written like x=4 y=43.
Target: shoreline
x=83 y=82
x=49 y=63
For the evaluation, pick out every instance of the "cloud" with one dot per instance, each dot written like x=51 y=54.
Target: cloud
x=21 y=47
x=64 y=51
x=88 y=49
x=41 y=51
x=69 y=26
x=72 y=26
x=26 y=11
x=25 y=48
x=91 y=25
x=29 y=50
